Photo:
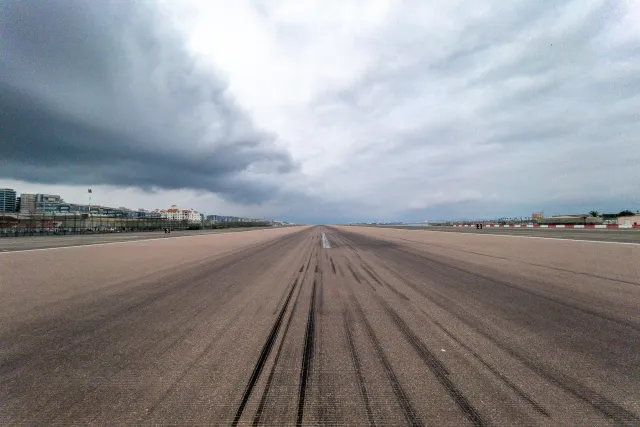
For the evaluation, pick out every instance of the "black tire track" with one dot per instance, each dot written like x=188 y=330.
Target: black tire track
x=581 y=273
x=186 y=370
x=355 y=360
x=436 y=367
x=592 y=398
x=410 y=414
x=517 y=390
x=333 y=266
x=264 y=355
x=523 y=395
x=307 y=358
x=599 y=402
x=472 y=277
x=227 y=292
x=263 y=400
x=353 y=272
x=382 y=282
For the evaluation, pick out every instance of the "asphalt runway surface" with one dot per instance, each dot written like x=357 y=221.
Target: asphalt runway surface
x=22 y=243
x=621 y=235
x=366 y=326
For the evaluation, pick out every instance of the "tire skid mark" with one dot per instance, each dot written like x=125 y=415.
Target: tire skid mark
x=517 y=390
x=333 y=266
x=258 y=415
x=435 y=366
x=600 y=403
x=582 y=273
x=131 y=359
x=410 y=414
x=264 y=355
x=355 y=360
x=307 y=358
x=318 y=371
x=353 y=272
x=591 y=397
x=444 y=266
x=384 y=283
x=373 y=275
x=284 y=295
x=186 y=370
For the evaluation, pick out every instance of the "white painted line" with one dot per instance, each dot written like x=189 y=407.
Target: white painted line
x=325 y=242
x=7 y=251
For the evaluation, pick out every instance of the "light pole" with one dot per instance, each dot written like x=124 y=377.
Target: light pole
x=89 y=191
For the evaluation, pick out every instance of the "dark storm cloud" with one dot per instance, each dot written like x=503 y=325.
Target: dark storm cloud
x=106 y=93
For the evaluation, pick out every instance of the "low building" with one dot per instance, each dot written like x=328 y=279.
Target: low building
x=537 y=215
x=627 y=221
x=47 y=202
x=571 y=220
x=7 y=200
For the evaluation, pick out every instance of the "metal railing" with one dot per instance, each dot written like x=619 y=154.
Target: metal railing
x=49 y=224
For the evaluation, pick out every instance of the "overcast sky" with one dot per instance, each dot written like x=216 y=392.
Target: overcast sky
x=324 y=111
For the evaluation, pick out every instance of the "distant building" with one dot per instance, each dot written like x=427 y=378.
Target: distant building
x=176 y=214
x=627 y=221
x=537 y=215
x=7 y=200
x=571 y=219
x=48 y=203
x=27 y=203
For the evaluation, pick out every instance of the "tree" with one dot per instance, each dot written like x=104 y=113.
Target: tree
x=626 y=213
x=594 y=213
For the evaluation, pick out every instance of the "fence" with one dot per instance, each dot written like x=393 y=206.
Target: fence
x=17 y=225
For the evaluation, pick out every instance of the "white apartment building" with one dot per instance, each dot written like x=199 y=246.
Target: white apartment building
x=176 y=214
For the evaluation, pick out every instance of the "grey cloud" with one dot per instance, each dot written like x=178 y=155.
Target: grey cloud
x=106 y=93
x=524 y=104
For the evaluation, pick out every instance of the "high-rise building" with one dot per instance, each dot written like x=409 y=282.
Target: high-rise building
x=7 y=200
x=27 y=203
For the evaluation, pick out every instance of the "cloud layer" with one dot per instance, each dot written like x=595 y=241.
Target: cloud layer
x=330 y=110
x=107 y=93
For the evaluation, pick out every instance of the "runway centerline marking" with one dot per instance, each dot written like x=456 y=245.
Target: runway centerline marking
x=325 y=242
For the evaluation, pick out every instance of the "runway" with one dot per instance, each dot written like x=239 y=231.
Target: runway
x=621 y=235
x=9 y=244
x=359 y=326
